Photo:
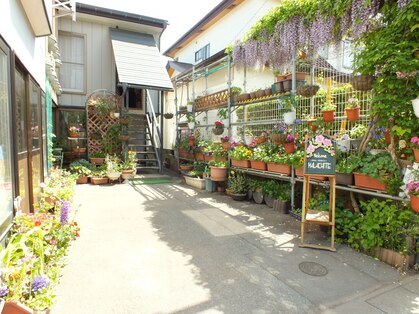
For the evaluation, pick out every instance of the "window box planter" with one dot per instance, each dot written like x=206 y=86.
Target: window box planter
x=416 y=153
x=240 y=163
x=344 y=179
x=98 y=180
x=279 y=168
x=199 y=156
x=394 y=258
x=364 y=181
x=82 y=180
x=97 y=160
x=195 y=182
x=258 y=165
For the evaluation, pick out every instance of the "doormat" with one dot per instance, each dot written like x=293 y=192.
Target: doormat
x=150 y=181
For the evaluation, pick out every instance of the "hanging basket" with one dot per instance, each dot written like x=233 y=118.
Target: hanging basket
x=218 y=131
x=168 y=115
x=362 y=82
x=308 y=90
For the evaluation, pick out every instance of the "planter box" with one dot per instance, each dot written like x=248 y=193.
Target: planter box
x=195 y=182
x=240 y=163
x=11 y=307
x=279 y=168
x=81 y=180
x=395 y=259
x=258 y=165
x=367 y=182
x=344 y=179
x=97 y=160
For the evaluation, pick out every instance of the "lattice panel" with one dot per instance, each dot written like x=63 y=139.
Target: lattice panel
x=212 y=101
x=97 y=126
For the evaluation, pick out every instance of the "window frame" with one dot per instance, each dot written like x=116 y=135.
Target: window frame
x=83 y=36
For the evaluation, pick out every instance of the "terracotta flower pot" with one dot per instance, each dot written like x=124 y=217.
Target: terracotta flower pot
x=289 y=148
x=414 y=203
x=226 y=146
x=364 y=181
x=240 y=163
x=353 y=114
x=97 y=160
x=258 y=165
x=98 y=180
x=328 y=116
x=73 y=134
x=82 y=180
x=218 y=173
x=416 y=152
x=279 y=168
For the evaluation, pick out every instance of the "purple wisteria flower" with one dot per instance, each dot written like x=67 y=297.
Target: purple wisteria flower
x=3 y=291
x=39 y=283
x=64 y=213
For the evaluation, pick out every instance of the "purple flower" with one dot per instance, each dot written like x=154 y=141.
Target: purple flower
x=39 y=283
x=3 y=291
x=64 y=213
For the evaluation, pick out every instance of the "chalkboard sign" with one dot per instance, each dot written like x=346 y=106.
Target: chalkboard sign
x=320 y=155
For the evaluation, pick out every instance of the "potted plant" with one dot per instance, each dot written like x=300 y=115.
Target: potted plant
x=256 y=188
x=343 y=142
x=189 y=106
x=328 y=112
x=97 y=158
x=279 y=133
x=239 y=186
x=353 y=109
x=99 y=176
x=218 y=128
x=113 y=167
x=191 y=120
x=81 y=170
x=218 y=170
x=191 y=140
x=222 y=114
x=282 y=201
x=235 y=92
x=413 y=190
x=345 y=168
x=356 y=133
x=414 y=143
x=378 y=172
x=278 y=163
x=296 y=160
x=74 y=131
x=194 y=177
x=286 y=104
x=128 y=167
x=270 y=190
x=240 y=156
x=258 y=156
x=225 y=142
x=289 y=144
x=362 y=82
x=248 y=136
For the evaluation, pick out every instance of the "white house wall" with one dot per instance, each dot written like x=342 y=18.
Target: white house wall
x=17 y=32
x=100 y=64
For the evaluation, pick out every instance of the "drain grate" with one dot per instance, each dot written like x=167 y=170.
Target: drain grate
x=313 y=269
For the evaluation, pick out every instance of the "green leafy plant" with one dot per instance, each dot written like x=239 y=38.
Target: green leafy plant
x=79 y=169
x=238 y=182
x=218 y=163
x=222 y=113
x=328 y=106
x=357 y=131
x=348 y=165
x=296 y=159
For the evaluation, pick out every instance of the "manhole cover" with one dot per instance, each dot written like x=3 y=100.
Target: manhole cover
x=313 y=269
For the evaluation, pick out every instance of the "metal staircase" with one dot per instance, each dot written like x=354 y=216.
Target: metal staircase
x=142 y=142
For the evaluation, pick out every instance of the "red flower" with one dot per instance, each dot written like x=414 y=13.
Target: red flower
x=219 y=123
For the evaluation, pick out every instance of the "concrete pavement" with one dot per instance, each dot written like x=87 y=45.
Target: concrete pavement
x=168 y=248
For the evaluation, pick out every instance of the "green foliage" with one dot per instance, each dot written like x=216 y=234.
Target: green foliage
x=296 y=159
x=382 y=224
x=275 y=189
x=77 y=167
x=347 y=165
x=319 y=201
x=238 y=182
x=218 y=163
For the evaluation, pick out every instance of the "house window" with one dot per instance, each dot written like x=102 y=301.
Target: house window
x=202 y=53
x=348 y=56
x=72 y=71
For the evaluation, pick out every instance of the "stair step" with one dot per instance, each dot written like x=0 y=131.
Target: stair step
x=148 y=167
x=145 y=159
x=140 y=145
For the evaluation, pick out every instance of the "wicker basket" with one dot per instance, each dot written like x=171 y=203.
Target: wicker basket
x=308 y=90
x=362 y=82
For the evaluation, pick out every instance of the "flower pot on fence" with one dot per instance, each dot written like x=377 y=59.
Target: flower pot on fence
x=82 y=180
x=258 y=165
x=195 y=182
x=289 y=117
x=218 y=173
x=416 y=153
x=328 y=116
x=355 y=143
x=415 y=104
x=248 y=140
x=282 y=206
x=279 y=168
x=240 y=163
x=362 y=82
x=353 y=114
x=238 y=197
x=364 y=181
x=269 y=201
x=289 y=147
x=414 y=203
x=209 y=185
x=344 y=179
x=308 y=90
x=218 y=131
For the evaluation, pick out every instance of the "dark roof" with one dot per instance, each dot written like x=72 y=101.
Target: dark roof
x=214 y=13
x=178 y=66
x=120 y=15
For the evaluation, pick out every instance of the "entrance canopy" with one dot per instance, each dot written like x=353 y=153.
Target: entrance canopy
x=138 y=60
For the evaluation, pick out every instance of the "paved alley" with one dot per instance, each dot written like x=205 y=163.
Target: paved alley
x=167 y=248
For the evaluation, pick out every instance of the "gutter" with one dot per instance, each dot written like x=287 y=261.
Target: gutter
x=119 y=15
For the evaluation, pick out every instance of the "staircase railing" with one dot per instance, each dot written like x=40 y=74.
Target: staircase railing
x=155 y=129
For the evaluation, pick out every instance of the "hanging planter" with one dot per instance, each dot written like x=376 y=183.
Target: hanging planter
x=362 y=82
x=353 y=114
x=308 y=90
x=328 y=116
x=168 y=115
x=289 y=117
x=415 y=104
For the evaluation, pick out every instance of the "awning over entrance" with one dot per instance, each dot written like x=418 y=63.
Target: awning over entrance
x=138 y=60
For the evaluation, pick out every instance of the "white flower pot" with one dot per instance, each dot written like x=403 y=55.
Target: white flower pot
x=248 y=140
x=344 y=145
x=289 y=117
x=191 y=125
x=189 y=108
x=415 y=103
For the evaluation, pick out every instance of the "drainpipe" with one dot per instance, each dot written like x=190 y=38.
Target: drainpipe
x=161 y=130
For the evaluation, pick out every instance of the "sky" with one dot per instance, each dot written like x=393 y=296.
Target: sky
x=181 y=14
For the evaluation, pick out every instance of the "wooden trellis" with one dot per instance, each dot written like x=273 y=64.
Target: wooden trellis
x=212 y=101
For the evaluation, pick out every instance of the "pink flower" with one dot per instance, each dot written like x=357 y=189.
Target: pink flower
x=319 y=139
x=414 y=140
x=311 y=149
x=327 y=142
